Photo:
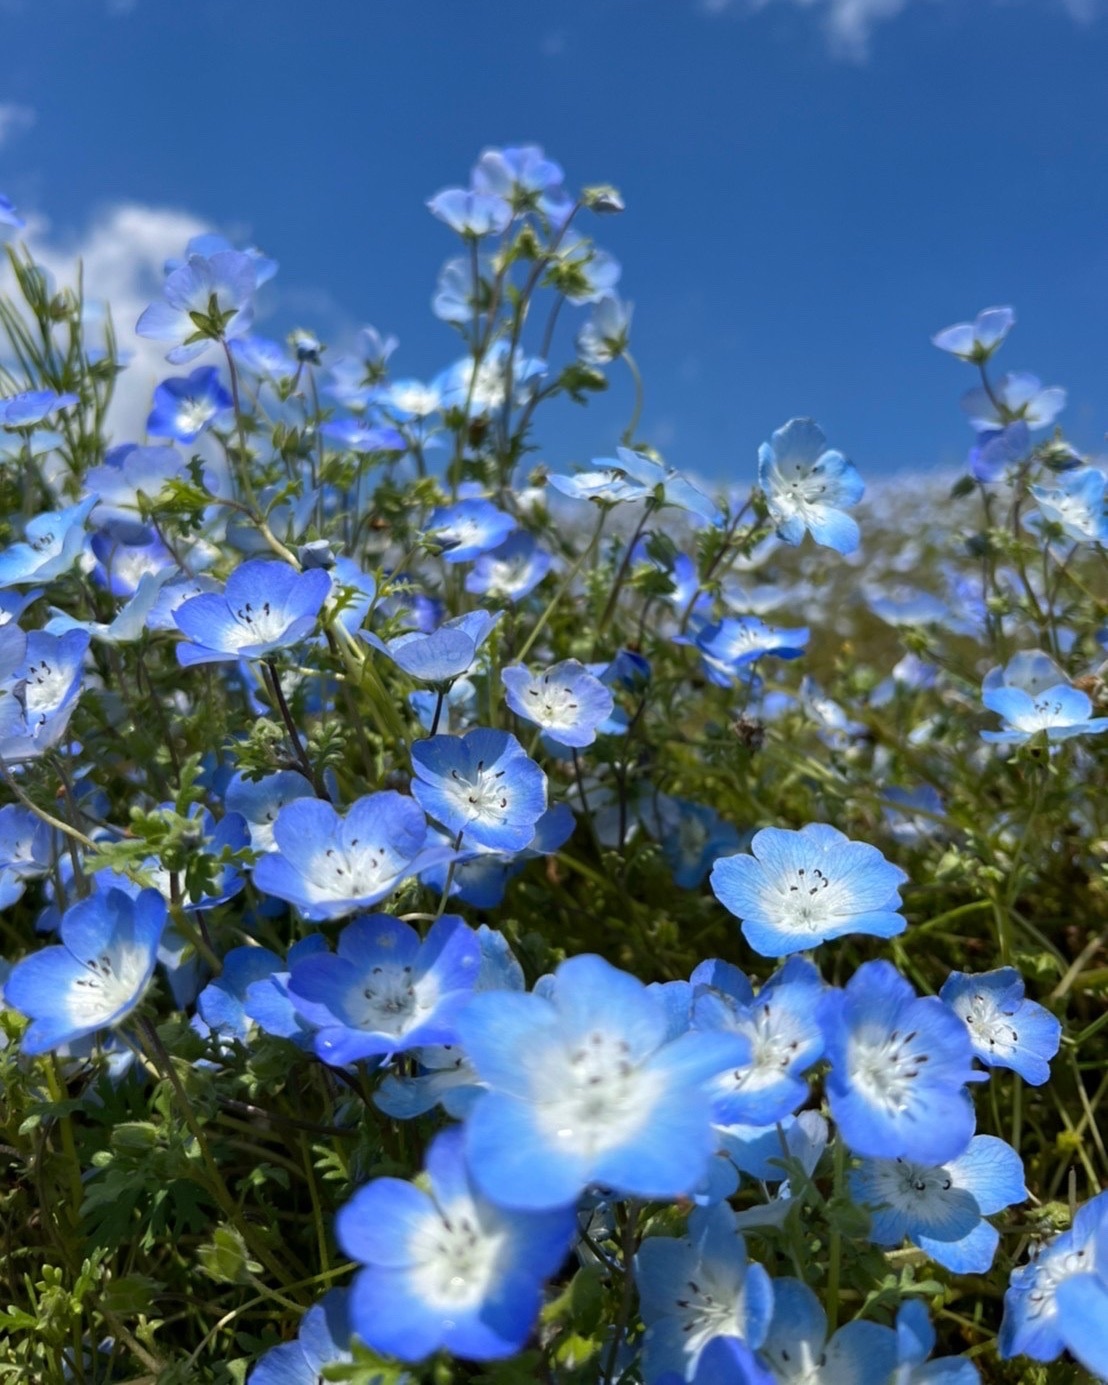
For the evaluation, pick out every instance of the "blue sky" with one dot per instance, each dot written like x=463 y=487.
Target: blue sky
x=812 y=186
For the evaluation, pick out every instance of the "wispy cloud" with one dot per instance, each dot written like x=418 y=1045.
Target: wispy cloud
x=849 y=24
x=14 y=119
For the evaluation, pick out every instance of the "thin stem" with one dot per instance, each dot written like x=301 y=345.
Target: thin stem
x=566 y=582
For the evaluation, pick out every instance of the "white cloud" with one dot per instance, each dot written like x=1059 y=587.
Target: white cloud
x=14 y=119
x=123 y=253
x=849 y=24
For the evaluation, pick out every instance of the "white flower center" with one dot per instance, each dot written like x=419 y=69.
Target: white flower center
x=456 y=1257
x=110 y=985
x=482 y=798
x=553 y=704
x=885 y=1066
x=603 y=1098
x=256 y=625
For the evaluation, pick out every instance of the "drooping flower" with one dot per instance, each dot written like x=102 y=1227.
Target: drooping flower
x=471 y=214
x=605 y=336
x=447 y=1268
x=806 y=484
x=899 y=1065
x=26 y=851
x=976 y=341
x=482 y=785
x=800 y=889
x=51 y=544
x=586 y=1085
x=566 y=700
x=96 y=976
x=1005 y=1029
x=385 y=990
x=329 y=865
x=443 y=655
x=1018 y=396
x=941 y=1207
x=209 y=298
x=258 y=801
x=266 y=606
x=696 y=1288
x=1077 y=503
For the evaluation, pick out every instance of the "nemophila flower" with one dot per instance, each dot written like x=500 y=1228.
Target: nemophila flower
x=209 y=243
x=696 y=1288
x=665 y=485
x=458 y=298
x=587 y=1087
x=207 y=299
x=26 y=851
x=605 y=336
x=607 y=484
x=481 y=387
x=759 y=1153
x=941 y=1207
x=268 y=1002
x=692 y=836
x=206 y=837
x=998 y=451
x=523 y=176
x=1005 y=1029
x=582 y=271
x=172 y=596
x=185 y=406
x=443 y=655
x=449 y=709
x=482 y=785
x=1061 y=712
x=511 y=570
x=1019 y=395
x=1077 y=503
x=329 y=865
x=912 y=815
x=724 y=1361
x=899 y=1065
x=446 y=1268
x=31 y=407
x=96 y=977
x=363 y=435
x=125 y=552
x=220 y=1006
x=468 y=528
x=1033 y=1324
x=129 y=622
x=800 y=889
x=730 y=645
x=481 y=876
x=471 y=214
x=1031 y=670
x=915 y=1341
x=781 y=1027
x=1083 y=1309
x=806 y=484
x=322 y=1340
x=40 y=696
x=566 y=700
x=52 y=542
x=385 y=991
x=799 y=1353
x=130 y=472
x=976 y=341
x=408 y=400
x=266 y=606
x=258 y=801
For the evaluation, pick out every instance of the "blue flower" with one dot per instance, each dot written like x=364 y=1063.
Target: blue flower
x=730 y=645
x=385 y=991
x=692 y=836
x=481 y=876
x=329 y=866
x=607 y=484
x=1017 y=396
x=1005 y=1029
x=511 y=570
x=129 y=472
x=915 y=1341
x=1033 y=1324
x=26 y=851
x=209 y=298
x=269 y=1004
x=586 y=1086
x=41 y=695
x=941 y=1207
x=899 y=1065
x=208 y=837
x=782 y=1029
x=797 y=1349
x=266 y=606
x=1062 y=711
x=323 y=1340
x=471 y=214
x=362 y=435
x=447 y=1268
x=665 y=485
x=482 y=785
x=9 y=217
x=443 y=655
x=96 y=977
x=605 y=336
x=566 y=700
x=1077 y=503
x=258 y=801
x=998 y=451
x=697 y=1288
x=468 y=528
x=976 y=341
x=31 y=407
x=806 y=485
x=220 y=1006
x=800 y=889
x=525 y=178
x=724 y=1361
x=1083 y=1309
x=52 y=542
x=185 y=406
